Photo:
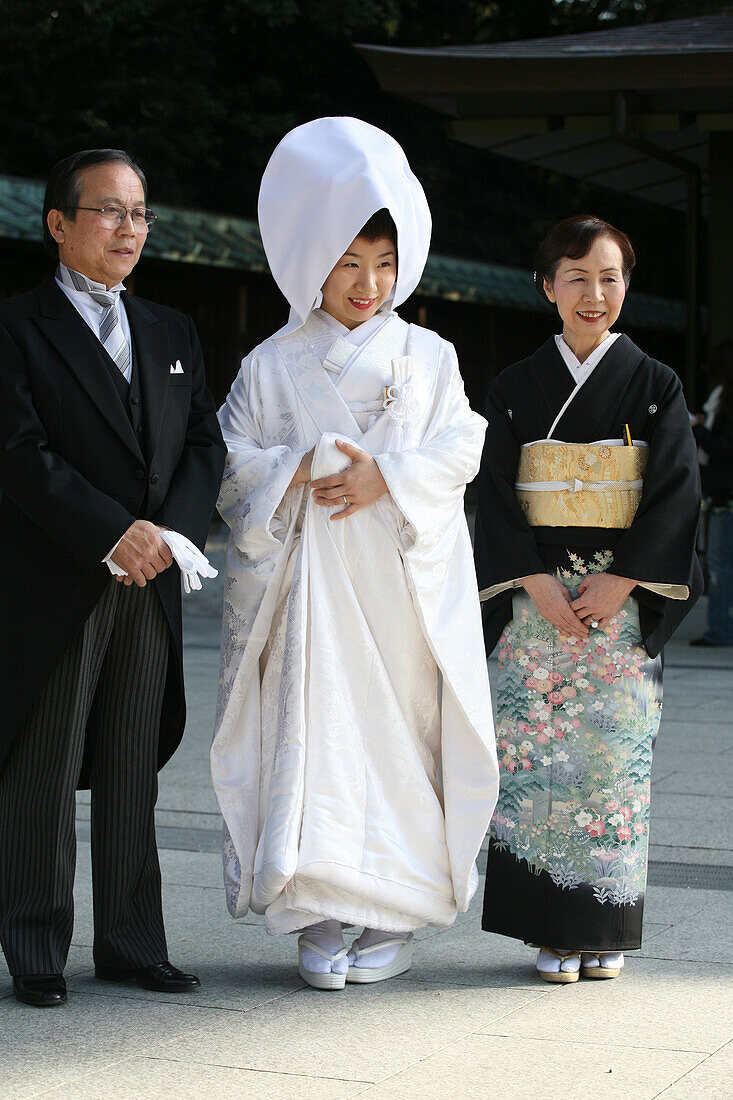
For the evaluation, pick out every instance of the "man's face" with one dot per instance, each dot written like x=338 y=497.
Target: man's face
x=85 y=244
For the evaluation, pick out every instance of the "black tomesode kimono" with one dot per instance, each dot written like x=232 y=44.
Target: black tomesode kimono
x=576 y=720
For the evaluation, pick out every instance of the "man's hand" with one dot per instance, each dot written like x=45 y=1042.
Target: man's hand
x=359 y=484
x=552 y=600
x=142 y=553
x=601 y=596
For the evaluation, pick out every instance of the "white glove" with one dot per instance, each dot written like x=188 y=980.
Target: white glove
x=190 y=560
x=187 y=556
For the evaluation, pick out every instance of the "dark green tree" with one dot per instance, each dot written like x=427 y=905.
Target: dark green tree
x=201 y=91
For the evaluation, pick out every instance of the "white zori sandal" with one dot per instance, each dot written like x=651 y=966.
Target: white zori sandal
x=401 y=961
x=328 y=980
x=602 y=964
x=558 y=966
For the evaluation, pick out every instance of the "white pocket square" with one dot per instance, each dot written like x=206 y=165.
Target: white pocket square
x=178 y=369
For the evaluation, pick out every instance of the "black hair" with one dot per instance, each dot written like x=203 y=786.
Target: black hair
x=380 y=225
x=574 y=237
x=64 y=187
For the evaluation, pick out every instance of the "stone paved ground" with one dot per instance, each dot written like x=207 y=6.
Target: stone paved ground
x=470 y=1020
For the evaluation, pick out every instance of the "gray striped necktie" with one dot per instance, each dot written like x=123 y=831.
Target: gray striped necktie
x=110 y=329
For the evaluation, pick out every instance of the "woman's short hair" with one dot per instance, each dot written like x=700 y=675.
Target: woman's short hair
x=574 y=237
x=64 y=189
x=379 y=225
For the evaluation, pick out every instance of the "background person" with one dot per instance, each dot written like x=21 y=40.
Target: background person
x=713 y=431
x=588 y=501
x=107 y=435
x=353 y=755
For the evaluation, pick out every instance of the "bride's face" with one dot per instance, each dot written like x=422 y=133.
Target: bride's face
x=361 y=281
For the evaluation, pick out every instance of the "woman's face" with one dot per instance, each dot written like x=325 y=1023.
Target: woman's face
x=361 y=281
x=589 y=292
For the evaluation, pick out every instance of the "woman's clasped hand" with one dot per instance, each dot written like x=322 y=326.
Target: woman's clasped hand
x=553 y=601
x=358 y=485
x=600 y=597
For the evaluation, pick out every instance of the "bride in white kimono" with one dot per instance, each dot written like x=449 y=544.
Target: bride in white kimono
x=353 y=756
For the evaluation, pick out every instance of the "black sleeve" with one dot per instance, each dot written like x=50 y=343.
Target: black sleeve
x=659 y=545
x=84 y=521
x=191 y=497
x=505 y=545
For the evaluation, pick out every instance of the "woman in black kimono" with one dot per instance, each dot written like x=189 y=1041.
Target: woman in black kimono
x=588 y=502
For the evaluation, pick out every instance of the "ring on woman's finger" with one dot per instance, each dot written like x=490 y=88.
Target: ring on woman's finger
x=346 y=502
x=594 y=623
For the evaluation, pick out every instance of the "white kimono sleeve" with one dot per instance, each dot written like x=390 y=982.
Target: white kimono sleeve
x=427 y=482
x=254 y=499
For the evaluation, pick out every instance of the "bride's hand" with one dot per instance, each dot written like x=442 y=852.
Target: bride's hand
x=359 y=484
x=303 y=474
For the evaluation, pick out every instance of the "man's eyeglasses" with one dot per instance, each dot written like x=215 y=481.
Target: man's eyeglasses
x=112 y=216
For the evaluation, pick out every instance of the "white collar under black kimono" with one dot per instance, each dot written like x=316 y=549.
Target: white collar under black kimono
x=582 y=371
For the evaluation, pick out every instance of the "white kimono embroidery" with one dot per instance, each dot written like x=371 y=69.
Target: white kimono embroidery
x=354 y=756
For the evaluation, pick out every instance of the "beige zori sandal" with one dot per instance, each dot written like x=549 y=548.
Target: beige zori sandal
x=602 y=964
x=558 y=966
x=401 y=962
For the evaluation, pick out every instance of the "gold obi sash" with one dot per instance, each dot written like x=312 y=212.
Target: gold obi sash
x=580 y=484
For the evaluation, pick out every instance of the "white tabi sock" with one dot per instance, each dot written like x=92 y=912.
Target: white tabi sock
x=375 y=959
x=550 y=963
x=328 y=936
x=610 y=960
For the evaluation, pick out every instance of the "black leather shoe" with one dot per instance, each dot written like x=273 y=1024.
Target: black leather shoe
x=40 y=990
x=161 y=977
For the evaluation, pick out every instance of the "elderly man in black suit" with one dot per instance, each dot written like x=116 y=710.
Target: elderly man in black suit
x=108 y=435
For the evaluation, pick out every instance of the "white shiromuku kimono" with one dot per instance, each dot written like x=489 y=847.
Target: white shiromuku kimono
x=353 y=756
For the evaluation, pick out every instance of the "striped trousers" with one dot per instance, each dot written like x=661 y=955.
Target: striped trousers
x=100 y=707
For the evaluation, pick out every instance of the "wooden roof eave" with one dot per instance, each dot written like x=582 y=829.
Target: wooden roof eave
x=417 y=74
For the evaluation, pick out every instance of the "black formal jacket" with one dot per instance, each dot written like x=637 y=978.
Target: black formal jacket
x=626 y=387
x=74 y=475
